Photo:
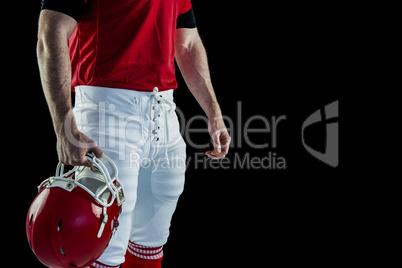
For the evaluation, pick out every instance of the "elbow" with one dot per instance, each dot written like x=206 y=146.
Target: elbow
x=40 y=47
x=50 y=45
x=44 y=39
x=54 y=31
x=47 y=42
x=44 y=43
x=186 y=49
x=181 y=51
x=187 y=42
x=183 y=46
x=51 y=42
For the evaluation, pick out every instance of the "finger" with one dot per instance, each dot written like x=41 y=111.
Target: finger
x=97 y=151
x=215 y=155
x=225 y=146
x=217 y=142
x=210 y=155
x=85 y=162
x=81 y=159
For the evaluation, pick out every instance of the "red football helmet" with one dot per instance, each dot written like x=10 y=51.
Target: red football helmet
x=75 y=214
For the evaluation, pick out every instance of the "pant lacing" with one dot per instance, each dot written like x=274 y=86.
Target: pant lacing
x=160 y=105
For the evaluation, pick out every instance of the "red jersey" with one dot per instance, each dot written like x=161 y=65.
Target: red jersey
x=126 y=44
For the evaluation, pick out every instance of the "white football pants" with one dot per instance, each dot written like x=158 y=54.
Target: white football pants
x=140 y=132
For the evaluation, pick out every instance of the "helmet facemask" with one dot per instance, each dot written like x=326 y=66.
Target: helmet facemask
x=96 y=181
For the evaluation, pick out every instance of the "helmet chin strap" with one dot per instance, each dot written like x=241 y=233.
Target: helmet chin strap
x=104 y=221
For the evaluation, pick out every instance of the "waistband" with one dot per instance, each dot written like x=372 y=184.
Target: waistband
x=96 y=93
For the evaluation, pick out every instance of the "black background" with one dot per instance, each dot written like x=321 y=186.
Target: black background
x=276 y=59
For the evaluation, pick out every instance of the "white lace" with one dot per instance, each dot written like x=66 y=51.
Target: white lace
x=161 y=104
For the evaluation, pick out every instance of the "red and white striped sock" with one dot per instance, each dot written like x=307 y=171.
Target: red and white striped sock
x=101 y=265
x=138 y=256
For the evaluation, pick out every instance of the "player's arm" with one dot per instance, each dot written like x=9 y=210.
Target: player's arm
x=192 y=60
x=55 y=28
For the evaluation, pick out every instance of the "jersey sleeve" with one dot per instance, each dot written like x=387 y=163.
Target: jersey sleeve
x=186 y=20
x=72 y=8
x=185 y=6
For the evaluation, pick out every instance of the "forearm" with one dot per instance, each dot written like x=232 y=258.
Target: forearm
x=192 y=60
x=56 y=82
x=55 y=72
